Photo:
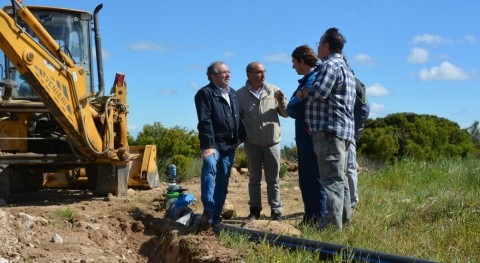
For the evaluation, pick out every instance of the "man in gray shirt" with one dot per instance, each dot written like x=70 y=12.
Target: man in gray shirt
x=260 y=105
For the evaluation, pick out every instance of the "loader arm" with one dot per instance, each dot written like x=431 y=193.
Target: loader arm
x=63 y=128
x=62 y=86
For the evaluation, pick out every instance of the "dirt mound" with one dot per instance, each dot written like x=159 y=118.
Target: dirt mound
x=75 y=226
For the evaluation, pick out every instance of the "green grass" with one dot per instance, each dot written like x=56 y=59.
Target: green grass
x=417 y=209
x=66 y=213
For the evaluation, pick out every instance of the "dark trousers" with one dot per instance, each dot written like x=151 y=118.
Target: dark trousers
x=313 y=194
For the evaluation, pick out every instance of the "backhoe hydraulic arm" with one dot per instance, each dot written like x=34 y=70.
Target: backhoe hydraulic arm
x=96 y=126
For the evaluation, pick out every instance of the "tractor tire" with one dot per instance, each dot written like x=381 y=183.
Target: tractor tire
x=33 y=182
x=4 y=182
x=104 y=179
x=22 y=181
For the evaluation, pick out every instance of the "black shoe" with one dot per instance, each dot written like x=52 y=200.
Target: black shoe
x=204 y=222
x=276 y=216
x=254 y=214
x=217 y=225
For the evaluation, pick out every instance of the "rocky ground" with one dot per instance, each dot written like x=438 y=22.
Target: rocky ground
x=55 y=225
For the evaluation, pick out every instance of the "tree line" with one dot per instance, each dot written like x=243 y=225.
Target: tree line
x=387 y=140
x=416 y=136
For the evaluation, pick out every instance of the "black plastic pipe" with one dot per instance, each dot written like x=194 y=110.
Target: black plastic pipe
x=326 y=250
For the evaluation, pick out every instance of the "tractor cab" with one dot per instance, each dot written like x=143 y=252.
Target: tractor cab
x=69 y=28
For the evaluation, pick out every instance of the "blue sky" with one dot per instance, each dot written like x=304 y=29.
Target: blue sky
x=414 y=56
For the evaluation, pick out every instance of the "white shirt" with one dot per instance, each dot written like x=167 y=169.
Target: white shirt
x=257 y=93
x=225 y=94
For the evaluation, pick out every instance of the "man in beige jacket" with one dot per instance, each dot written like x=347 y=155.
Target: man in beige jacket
x=260 y=105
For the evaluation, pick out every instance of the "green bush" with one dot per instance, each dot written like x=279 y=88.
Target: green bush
x=194 y=169
x=386 y=140
x=283 y=170
x=240 y=159
x=182 y=163
x=290 y=153
x=187 y=167
x=175 y=145
x=414 y=136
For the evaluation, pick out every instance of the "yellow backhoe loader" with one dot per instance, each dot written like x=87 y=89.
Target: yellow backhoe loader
x=52 y=120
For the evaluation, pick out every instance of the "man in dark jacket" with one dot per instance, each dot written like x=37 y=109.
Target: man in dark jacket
x=218 y=131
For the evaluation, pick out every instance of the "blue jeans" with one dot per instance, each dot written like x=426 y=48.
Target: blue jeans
x=331 y=152
x=214 y=182
x=313 y=195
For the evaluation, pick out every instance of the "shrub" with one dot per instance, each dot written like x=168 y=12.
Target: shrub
x=240 y=159
x=283 y=170
x=187 y=167
x=290 y=153
x=415 y=136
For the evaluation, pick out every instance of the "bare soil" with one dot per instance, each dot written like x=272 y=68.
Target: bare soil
x=36 y=227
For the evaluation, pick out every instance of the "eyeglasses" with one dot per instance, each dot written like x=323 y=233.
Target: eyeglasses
x=259 y=72
x=223 y=72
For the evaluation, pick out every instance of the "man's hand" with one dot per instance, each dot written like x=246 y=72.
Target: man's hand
x=208 y=152
x=279 y=95
x=302 y=94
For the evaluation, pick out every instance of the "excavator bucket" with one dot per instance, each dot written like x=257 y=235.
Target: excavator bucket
x=143 y=167
x=143 y=172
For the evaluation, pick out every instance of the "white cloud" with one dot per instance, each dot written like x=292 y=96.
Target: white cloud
x=376 y=110
x=143 y=45
x=445 y=71
x=418 y=55
x=470 y=39
x=430 y=39
x=280 y=57
x=363 y=59
x=377 y=90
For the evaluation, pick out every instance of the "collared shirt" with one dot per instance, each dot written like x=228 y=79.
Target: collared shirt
x=219 y=124
x=257 y=93
x=331 y=100
x=261 y=116
x=225 y=94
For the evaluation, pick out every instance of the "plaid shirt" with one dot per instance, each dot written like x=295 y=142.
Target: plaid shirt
x=331 y=100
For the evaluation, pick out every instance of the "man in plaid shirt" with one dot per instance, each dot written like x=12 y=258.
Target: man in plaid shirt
x=329 y=116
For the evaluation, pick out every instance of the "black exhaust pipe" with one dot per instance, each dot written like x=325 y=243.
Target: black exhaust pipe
x=98 y=51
